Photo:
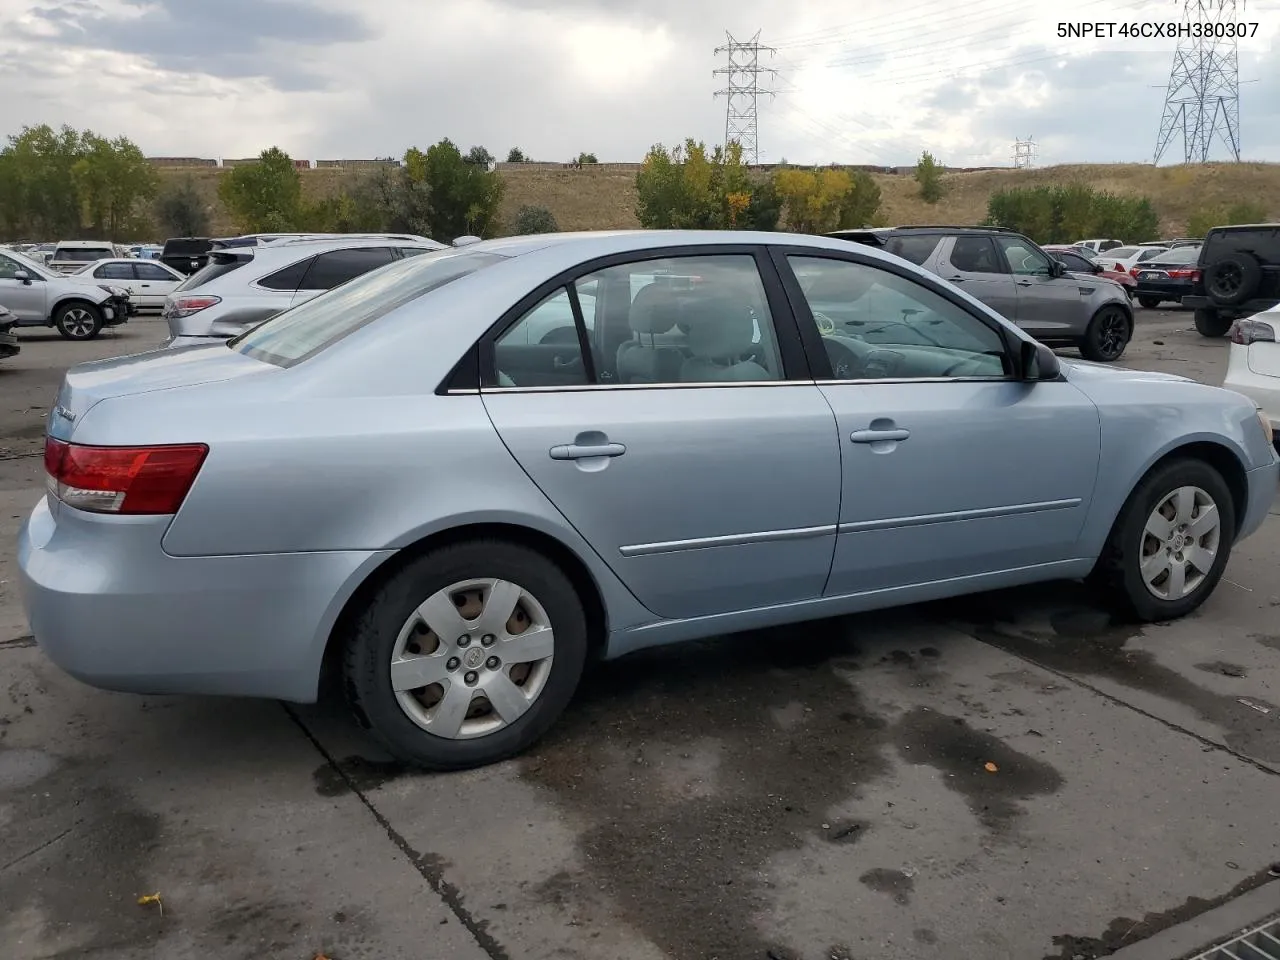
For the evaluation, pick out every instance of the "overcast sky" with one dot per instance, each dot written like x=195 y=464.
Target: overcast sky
x=339 y=79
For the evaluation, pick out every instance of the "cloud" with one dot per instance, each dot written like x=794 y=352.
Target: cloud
x=873 y=84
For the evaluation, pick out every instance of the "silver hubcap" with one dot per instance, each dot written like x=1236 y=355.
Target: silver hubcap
x=472 y=659
x=1180 y=542
x=79 y=322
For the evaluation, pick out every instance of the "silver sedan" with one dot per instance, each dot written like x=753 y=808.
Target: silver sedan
x=458 y=477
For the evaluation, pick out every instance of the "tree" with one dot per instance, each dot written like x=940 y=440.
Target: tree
x=113 y=180
x=265 y=195
x=861 y=205
x=40 y=163
x=1206 y=218
x=1065 y=214
x=461 y=197
x=479 y=156
x=516 y=155
x=819 y=201
x=684 y=187
x=586 y=158
x=929 y=176
x=182 y=211
x=535 y=220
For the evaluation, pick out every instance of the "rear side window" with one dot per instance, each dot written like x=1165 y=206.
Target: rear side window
x=338 y=266
x=114 y=271
x=151 y=271
x=303 y=331
x=290 y=278
x=215 y=268
x=913 y=247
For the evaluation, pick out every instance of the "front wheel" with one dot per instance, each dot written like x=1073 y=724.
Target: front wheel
x=78 y=321
x=1171 y=542
x=1150 y=302
x=1209 y=323
x=1107 y=336
x=467 y=655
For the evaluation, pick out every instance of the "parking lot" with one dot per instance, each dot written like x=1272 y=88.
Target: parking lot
x=1008 y=775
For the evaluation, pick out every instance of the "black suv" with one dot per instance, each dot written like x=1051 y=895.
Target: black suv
x=1239 y=276
x=186 y=254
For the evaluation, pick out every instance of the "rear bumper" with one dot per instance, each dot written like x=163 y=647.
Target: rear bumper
x=1246 y=309
x=1164 y=290
x=109 y=607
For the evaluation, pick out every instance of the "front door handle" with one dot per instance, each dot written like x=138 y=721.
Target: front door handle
x=582 y=451
x=1024 y=283
x=956 y=279
x=878 y=436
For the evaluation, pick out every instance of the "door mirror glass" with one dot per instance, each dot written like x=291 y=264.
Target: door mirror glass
x=1038 y=362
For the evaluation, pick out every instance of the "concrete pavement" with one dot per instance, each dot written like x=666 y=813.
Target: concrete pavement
x=812 y=792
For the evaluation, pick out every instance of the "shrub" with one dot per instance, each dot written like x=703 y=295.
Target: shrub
x=535 y=220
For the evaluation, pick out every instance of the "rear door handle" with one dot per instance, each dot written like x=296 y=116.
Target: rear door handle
x=1024 y=283
x=577 y=451
x=877 y=436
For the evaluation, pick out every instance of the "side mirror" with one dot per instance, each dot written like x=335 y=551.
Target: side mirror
x=1038 y=362
x=1097 y=268
x=23 y=276
x=1057 y=268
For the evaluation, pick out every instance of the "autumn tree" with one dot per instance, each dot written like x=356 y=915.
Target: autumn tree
x=685 y=187
x=819 y=201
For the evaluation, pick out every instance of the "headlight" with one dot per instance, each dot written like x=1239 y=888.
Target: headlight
x=114 y=291
x=1267 y=429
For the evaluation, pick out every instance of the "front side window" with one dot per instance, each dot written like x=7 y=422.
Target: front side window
x=9 y=268
x=878 y=325
x=114 y=271
x=1024 y=259
x=303 y=331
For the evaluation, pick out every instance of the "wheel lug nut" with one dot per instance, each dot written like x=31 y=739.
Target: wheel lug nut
x=453 y=663
x=471 y=678
x=464 y=640
x=493 y=663
x=488 y=639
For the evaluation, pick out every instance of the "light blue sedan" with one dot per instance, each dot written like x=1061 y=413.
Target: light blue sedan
x=457 y=478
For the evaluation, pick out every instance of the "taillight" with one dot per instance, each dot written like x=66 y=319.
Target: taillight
x=1245 y=332
x=125 y=480
x=186 y=306
x=1185 y=274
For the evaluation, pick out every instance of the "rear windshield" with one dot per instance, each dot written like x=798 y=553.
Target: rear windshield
x=303 y=331
x=1123 y=253
x=219 y=266
x=186 y=247
x=82 y=254
x=1178 y=255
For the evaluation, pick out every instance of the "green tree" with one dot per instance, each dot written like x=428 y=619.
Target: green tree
x=182 y=210
x=685 y=187
x=1206 y=218
x=39 y=165
x=1065 y=214
x=861 y=205
x=929 y=176
x=461 y=198
x=584 y=158
x=516 y=155
x=534 y=220
x=114 y=180
x=479 y=156
x=265 y=195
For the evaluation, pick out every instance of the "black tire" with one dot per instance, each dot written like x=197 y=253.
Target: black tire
x=1150 y=302
x=368 y=650
x=1210 y=323
x=1232 y=279
x=78 y=320
x=1118 y=570
x=1107 y=336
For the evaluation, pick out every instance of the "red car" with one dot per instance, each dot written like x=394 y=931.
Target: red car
x=1076 y=261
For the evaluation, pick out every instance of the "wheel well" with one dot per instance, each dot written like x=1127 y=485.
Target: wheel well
x=67 y=301
x=1222 y=460
x=548 y=546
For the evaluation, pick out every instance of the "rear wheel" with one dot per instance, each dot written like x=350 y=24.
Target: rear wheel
x=1107 y=336
x=1150 y=302
x=1210 y=323
x=467 y=655
x=78 y=320
x=1171 y=542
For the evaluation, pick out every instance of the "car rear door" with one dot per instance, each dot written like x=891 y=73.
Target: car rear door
x=679 y=432
x=972 y=262
x=953 y=468
x=329 y=269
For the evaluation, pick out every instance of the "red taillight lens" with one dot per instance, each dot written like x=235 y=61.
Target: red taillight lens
x=1245 y=332
x=186 y=306
x=1184 y=274
x=126 y=480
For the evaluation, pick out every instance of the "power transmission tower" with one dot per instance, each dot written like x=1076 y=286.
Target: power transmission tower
x=1203 y=96
x=1024 y=153
x=742 y=93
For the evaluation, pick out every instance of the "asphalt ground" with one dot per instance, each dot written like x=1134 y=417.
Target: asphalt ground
x=1007 y=775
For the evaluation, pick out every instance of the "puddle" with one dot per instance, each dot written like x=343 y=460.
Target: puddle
x=893 y=882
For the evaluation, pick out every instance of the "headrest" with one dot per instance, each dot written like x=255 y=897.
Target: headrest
x=654 y=310
x=720 y=328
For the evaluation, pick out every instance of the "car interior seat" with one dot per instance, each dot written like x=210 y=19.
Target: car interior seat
x=722 y=334
x=643 y=359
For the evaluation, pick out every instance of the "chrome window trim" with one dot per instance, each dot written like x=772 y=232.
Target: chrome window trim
x=732 y=384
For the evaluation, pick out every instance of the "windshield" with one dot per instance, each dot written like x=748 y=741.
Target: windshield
x=81 y=254
x=30 y=265
x=303 y=331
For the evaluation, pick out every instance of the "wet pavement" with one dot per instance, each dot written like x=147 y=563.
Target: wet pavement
x=1006 y=775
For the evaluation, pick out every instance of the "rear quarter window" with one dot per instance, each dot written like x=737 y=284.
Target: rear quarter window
x=912 y=247
x=302 y=332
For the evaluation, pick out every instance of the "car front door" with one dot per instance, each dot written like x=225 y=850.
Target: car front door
x=26 y=298
x=953 y=468
x=679 y=432
x=972 y=262
x=1047 y=305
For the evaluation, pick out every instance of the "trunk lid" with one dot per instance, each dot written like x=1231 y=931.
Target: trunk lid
x=87 y=384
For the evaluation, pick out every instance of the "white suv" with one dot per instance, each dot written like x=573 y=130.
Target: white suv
x=71 y=255
x=79 y=307
x=241 y=287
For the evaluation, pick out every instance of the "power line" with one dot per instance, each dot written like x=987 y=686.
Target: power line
x=1203 y=96
x=742 y=92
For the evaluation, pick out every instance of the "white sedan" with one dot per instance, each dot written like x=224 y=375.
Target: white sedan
x=147 y=281
x=1253 y=363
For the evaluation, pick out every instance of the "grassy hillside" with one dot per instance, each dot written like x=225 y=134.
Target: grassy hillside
x=586 y=198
